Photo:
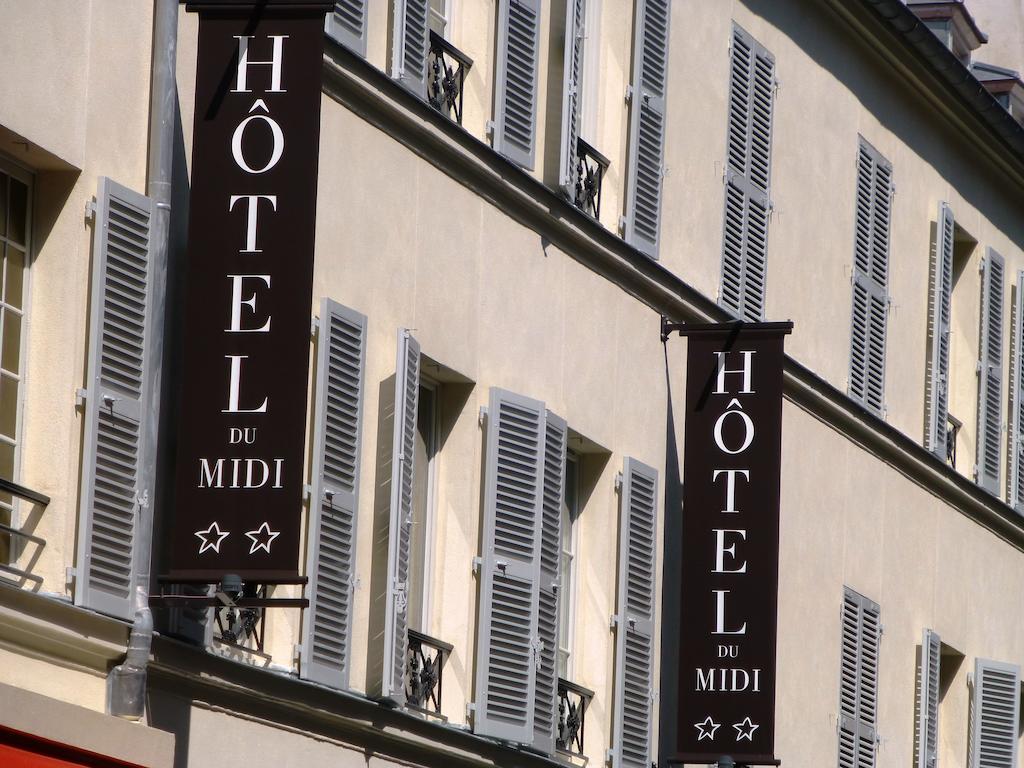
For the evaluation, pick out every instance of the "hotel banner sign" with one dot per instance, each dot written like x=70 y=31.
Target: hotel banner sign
x=248 y=293
x=730 y=546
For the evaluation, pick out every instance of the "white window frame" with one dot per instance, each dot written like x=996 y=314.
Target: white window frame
x=590 y=76
x=430 y=515
x=446 y=18
x=26 y=177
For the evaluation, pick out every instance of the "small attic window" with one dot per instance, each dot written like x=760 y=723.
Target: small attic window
x=1005 y=85
x=951 y=22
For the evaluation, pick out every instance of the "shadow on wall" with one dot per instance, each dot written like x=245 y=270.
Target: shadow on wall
x=901 y=110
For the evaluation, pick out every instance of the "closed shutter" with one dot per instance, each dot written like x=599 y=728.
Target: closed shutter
x=410 y=45
x=545 y=710
x=995 y=707
x=927 y=745
x=572 y=75
x=1015 y=440
x=118 y=321
x=645 y=165
x=507 y=644
x=634 y=621
x=396 y=637
x=334 y=495
x=858 y=683
x=347 y=24
x=990 y=372
x=747 y=174
x=515 y=87
x=938 y=333
x=870 y=278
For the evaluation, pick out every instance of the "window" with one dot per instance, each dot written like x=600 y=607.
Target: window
x=423 y=491
x=514 y=129
x=938 y=665
x=870 y=278
x=15 y=196
x=440 y=17
x=995 y=712
x=567 y=569
x=747 y=176
x=858 y=681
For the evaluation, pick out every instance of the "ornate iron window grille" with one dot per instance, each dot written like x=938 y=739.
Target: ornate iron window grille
x=9 y=535
x=590 y=169
x=423 y=672
x=448 y=67
x=243 y=627
x=573 y=701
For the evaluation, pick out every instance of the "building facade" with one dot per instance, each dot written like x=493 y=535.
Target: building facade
x=512 y=194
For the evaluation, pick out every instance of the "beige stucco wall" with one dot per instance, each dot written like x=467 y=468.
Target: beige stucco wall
x=1003 y=22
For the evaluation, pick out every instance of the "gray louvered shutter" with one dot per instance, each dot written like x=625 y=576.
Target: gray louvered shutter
x=515 y=86
x=747 y=175
x=927 y=742
x=938 y=333
x=572 y=76
x=995 y=708
x=347 y=24
x=858 y=683
x=119 y=316
x=870 y=278
x=1015 y=438
x=645 y=165
x=634 y=621
x=545 y=710
x=334 y=495
x=396 y=617
x=990 y=372
x=411 y=45
x=507 y=646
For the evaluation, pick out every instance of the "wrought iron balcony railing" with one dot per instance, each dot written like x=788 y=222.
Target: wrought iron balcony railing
x=243 y=628
x=447 y=68
x=573 y=701
x=953 y=425
x=11 y=537
x=424 y=669
x=590 y=169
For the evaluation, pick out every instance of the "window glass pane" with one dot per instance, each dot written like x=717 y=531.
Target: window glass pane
x=421 y=492
x=8 y=413
x=570 y=511
x=3 y=204
x=14 y=282
x=17 y=230
x=10 y=343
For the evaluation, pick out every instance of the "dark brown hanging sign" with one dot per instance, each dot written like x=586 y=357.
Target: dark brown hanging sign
x=730 y=547
x=238 y=488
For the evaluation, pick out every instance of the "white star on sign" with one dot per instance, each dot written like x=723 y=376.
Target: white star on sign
x=262 y=538
x=211 y=538
x=745 y=729
x=707 y=729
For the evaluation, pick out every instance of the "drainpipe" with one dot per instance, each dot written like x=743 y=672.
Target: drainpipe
x=127 y=681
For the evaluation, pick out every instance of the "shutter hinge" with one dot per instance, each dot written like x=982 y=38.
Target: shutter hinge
x=470 y=710
x=613 y=622
x=618 y=481
x=307 y=491
x=90 y=210
x=981 y=265
x=482 y=417
x=478 y=563
x=297 y=652
x=622 y=225
x=664 y=172
x=142 y=498
x=609 y=755
x=353 y=583
x=489 y=128
x=81 y=395
x=313 y=325
x=629 y=94
x=70 y=574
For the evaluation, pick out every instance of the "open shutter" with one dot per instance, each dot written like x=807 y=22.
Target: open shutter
x=928 y=701
x=870 y=278
x=334 y=495
x=1015 y=439
x=634 y=621
x=347 y=24
x=990 y=373
x=994 y=712
x=119 y=316
x=545 y=710
x=858 y=684
x=645 y=165
x=572 y=73
x=747 y=175
x=410 y=45
x=515 y=87
x=938 y=332
x=396 y=617
x=507 y=648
